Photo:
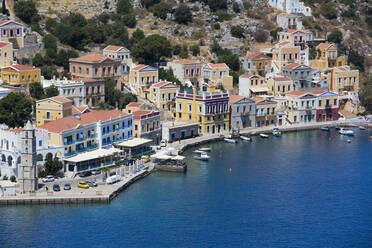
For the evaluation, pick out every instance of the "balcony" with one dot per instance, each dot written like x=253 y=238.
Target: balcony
x=81 y=139
x=69 y=154
x=81 y=150
x=91 y=136
x=91 y=147
x=69 y=142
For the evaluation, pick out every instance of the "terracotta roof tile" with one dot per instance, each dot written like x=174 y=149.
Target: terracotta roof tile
x=235 y=98
x=135 y=104
x=92 y=58
x=79 y=110
x=324 y=45
x=318 y=92
x=21 y=68
x=139 y=67
x=3 y=44
x=284 y=43
x=186 y=61
x=251 y=76
x=16 y=130
x=253 y=54
x=281 y=79
x=60 y=99
x=296 y=93
x=219 y=65
x=160 y=84
x=100 y=115
x=61 y=125
x=291 y=66
x=113 y=48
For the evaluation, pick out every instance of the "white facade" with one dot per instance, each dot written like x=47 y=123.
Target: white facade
x=289 y=21
x=291 y=6
x=73 y=90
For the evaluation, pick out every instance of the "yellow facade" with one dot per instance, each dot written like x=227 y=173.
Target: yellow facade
x=279 y=86
x=342 y=79
x=52 y=109
x=327 y=57
x=284 y=54
x=218 y=74
x=163 y=95
x=141 y=78
x=203 y=108
x=20 y=74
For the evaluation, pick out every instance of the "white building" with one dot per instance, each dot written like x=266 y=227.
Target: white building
x=291 y=6
x=289 y=21
x=73 y=90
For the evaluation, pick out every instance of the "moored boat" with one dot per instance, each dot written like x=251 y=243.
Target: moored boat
x=203 y=156
x=230 y=140
x=262 y=135
x=325 y=129
x=205 y=149
x=347 y=132
x=362 y=128
x=245 y=138
x=276 y=132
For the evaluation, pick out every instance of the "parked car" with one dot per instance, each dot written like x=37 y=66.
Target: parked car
x=163 y=143
x=113 y=179
x=145 y=158
x=83 y=185
x=67 y=186
x=96 y=172
x=56 y=187
x=85 y=174
x=48 y=179
x=91 y=183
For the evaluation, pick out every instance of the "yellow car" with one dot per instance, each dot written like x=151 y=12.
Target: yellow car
x=83 y=185
x=145 y=159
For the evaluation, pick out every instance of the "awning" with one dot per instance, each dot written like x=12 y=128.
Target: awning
x=86 y=156
x=259 y=89
x=134 y=142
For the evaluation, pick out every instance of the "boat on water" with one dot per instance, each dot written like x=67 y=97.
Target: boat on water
x=203 y=156
x=245 y=138
x=205 y=149
x=362 y=128
x=325 y=129
x=230 y=140
x=276 y=132
x=265 y=136
x=347 y=132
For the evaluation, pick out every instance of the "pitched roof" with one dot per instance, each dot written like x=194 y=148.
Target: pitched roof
x=341 y=68
x=219 y=65
x=160 y=84
x=79 y=110
x=186 y=61
x=3 y=44
x=235 y=98
x=253 y=54
x=113 y=48
x=291 y=31
x=251 y=76
x=258 y=99
x=284 y=43
x=92 y=58
x=86 y=80
x=141 y=112
x=21 y=68
x=60 y=99
x=318 y=92
x=281 y=79
x=324 y=45
x=101 y=115
x=296 y=93
x=61 y=124
x=135 y=104
x=16 y=130
x=291 y=66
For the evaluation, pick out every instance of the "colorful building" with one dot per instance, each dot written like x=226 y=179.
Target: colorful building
x=93 y=130
x=147 y=125
x=280 y=86
x=296 y=37
x=327 y=106
x=141 y=77
x=6 y=54
x=186 y=70
x=257 y=63
x=266 y=112
x=289 y=21
x=163 y=95
x=51 y=109
x=285 y=53
x=242 y=112
x=20 y=74
x=299 y=74
x=218 y=74
x=12 y=31
x=301 y=107
x=134 y=106
x=210 y=110
x=252 y=85
x=327 y=57
x=343 y=80
x=121 y=53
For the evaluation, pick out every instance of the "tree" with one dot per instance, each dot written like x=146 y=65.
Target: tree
x=335 y=36
x=260 y=35
x=365 y=94
x=50 y=42
x=129 y=20
x=5 y=11
x=124 y=6
x=183 y=14
x=237 y=31
x=48 y=71
x=148 y=3
x=161 y=10
x=150 y=49
x=184 y=54
x=37 y=91
x=15 y=110
x=328 y=10
x=195 y=50
x=50 y=25
x=236 y=7
x=38 y=60
x=217 y=4
x=177 y=49
x=51 y=91
x=357 y=60
x=52 y=166
x=12 y=178
x=26 y=10
x=167 y=75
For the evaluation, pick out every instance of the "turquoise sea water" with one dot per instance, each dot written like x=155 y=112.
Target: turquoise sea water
x=305 y=189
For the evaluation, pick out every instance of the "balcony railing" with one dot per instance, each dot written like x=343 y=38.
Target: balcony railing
x=69 y=142
x=91 y=147
x=81 y=150
x=69 y=154
x=92 y=136
x=81 y=139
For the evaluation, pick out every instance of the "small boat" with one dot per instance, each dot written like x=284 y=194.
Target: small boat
x=348 y=141
x=205 y=149
x=230 y=140
x=198 y=151
x=203 y=156
x=276 y=132
x=265 y=136
x=347 y=132
x=325 y=129
x=362 y=128
x=245 y=138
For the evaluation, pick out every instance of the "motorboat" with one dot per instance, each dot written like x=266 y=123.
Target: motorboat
x=203 y=156
x=230 y=140
x=276 y=132
x=325 y=129
x=245 y=138
x=205 y=149
x=265 y=136
x=347 y=132
x=362 y=128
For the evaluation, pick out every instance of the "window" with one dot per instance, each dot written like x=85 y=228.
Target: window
x=320 y=103
x=335 y=102
x=48 y=115
x=40 y=143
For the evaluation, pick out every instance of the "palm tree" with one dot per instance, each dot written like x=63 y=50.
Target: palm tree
x=106 y=171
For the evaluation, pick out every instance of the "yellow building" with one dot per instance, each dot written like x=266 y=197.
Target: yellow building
x=327 y=57
x=342 y=80
x=210 y=110
x=119 y=52
x=280 y=86
x=257 y=62
x=218 y=74
x=6 y=54
x=51 y=109
x=141 y=77
x=163 y=95
x=20 y=74
x=285 y=53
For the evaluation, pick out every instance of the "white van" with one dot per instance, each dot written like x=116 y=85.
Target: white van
x=113 y=179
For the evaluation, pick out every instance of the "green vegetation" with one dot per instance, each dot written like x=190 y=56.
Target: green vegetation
x=184 y=54
x=4 y=10
x=356 y=59
x=215 y=5
x=183 y=14
x=328 y=10
x=26 y=11
x=13 y=179
x=124 y=6
x=15 y=110
x=167 y=75
x=260 y=35
x=114 y=98
x=365 y=94
x=51 y=166
x=148 y=3
x=226 y=56
x=161 y=10
x=150 y=49
x=237 y=31
x=335 y=36
x=195 y=50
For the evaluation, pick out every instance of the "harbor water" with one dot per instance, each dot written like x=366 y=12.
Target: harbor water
x=303 y=189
